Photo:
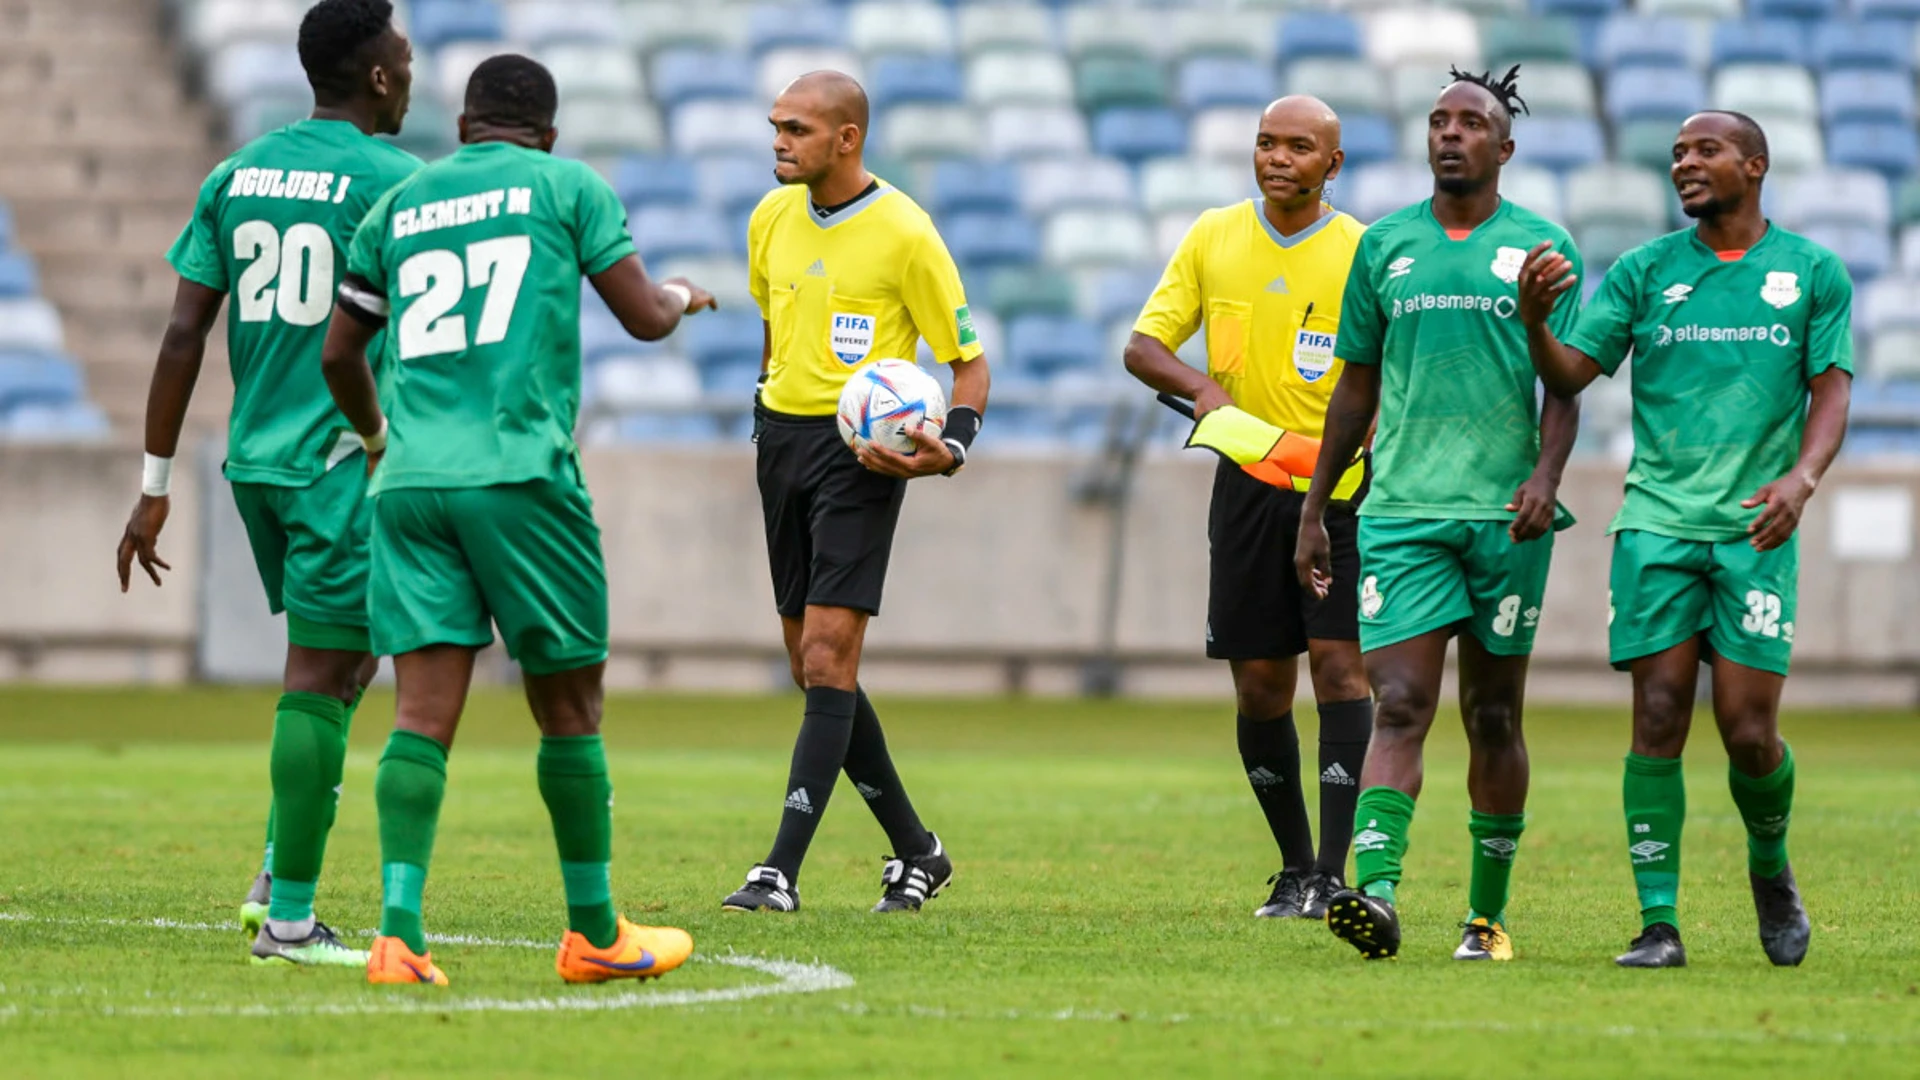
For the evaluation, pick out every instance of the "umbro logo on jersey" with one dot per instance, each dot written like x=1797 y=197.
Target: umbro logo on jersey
x=1263 y=777
x=1400 y=267
x=818 y=269
x=1676 y=293
x=868 y=791
x=799 y=801
x=1337 y=775
x=1277 y=285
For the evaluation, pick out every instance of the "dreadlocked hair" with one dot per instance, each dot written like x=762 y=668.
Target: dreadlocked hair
x=1506 y=91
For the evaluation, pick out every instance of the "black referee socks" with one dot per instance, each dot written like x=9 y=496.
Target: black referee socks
x=871 y=769
x=1270 y=750
x=818 y=754
x=1345 y=727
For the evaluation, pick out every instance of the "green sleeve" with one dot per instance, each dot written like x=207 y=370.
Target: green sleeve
x=363 y=260
x=1830 y=327
x=1363 y=325
x=196 y=254
x=1605 y=329
x=600 y=224
x=1566 y=314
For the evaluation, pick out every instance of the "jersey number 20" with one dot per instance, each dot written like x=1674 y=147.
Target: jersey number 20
x=290 y=275
x=440 y=278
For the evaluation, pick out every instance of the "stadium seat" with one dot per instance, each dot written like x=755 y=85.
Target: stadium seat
x=982 y=241
x=1044 y=344
x=38 y=378
x=581 y=70
x=254 y=117
x=542 y=23
x=620 y=383
x=1749 y=42
x=1224 y=133
x=1601 y=245
x=1169 y=229
x=1910 y=250
x=1506 y=41
x=1707 y=10
x=965 y=184
x=1664 y=94
x=1891 y=303
x=1867 y=250
x=1843 y=45
x=1859 y=95
x=669 y=232
x=1345 y=84
x=1184 y=183
x=1766 y=91
x=1014 y=291
x=75 y=421
x=681 y=75
x=1646 y=143
x=1019 y=78
x=651 y=180
x=700 y=128
x=721 y=274
x=900 y=79
x=1426 y=35
x=777 y=26
x=1023 y=131
x=17 y=275
x=1892 y=149
x=1804 y=11
x=1078 y=239
x=778 y=67
x=1368 y=138
x=1194 y=32
x=1578 y=9
x=1415 y=88
x=435 y=23
x=914 y=28
x=1618 y=194
x=452 y=66
x=1207 y=81
x=1106 y=81
x=1558 y=89
x=1489 y=9
x=1089 y=31
x=1895 y=354
x=1537 y=189
x=250 y=69
x=924 y=131
x=1119 y=293
x=1060 y=183
x=1319 y=33
x=30 y=323
x=1906 y=201
x=6 y=226
x=653 y=25
x=211 y=24
x=1379 y=189
x=1559 y=142
x=1638 y=40
x=1887 y=10
x=1004 y=26
x=735 y=183
x=1134 y=134
x=721 y=337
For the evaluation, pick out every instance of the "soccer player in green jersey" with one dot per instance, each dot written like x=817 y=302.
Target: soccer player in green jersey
x=272 y=226
x=481 y=516
x=1742 y=371
x=1456 y=535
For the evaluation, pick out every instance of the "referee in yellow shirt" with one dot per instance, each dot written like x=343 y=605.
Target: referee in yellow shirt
x=1264 y=279
x=846 y=270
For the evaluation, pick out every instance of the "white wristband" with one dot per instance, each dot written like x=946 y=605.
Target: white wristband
x=157 y=476
x=376 y=442
x=679 y=292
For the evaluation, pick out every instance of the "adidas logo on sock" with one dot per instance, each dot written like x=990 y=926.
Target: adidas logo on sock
x=799 y=801
x=1261 y=776
x=1337 y=775
x=868 y=791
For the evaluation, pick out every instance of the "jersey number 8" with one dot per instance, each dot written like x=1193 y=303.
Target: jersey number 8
x=290 y=275
x=440 y=279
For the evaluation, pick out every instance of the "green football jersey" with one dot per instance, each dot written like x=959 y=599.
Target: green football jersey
x=1722 y=352
x=479 y=256
x=1459 y=424
x=272 y=227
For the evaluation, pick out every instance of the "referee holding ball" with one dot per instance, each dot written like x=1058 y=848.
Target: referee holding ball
x=1264 y=279
x=846 y=270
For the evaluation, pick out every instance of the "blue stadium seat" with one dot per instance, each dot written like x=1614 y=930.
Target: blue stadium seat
x=1803 y=10
x=1578 y=9
x=17 y=276
x=1752 y=42
x=1134 y=134
x=675 y=428
x=1374 y=191
x=1560 y=143
x=723 y=337
x=735 y=379
x=1892 y=149
x=6 y=225
x=1867 y=250
x=1835 y=196
x=1206 y=81
x=736 y=183
x=773 y=26
x=666 y=232
x=1058 y=183
x=681 y=75
x=1643 y=39
x=1368 y=137
x=72 y=422
x=1044 y=344
x=29 y=324
x=984 y=240
x=642 y=379
x=1013 y=291
x=914 y=28
x=540 y=23
x=1852 y=96
x=1875 y=45
x=895 y=80
x=652 y=179
x=251 y=69
x=37 y=378
x=1121 y=293
x=969 y=184
x=1024 y=131
x=436 y=22
x=1887 y=10
x=601 y=334
x=1319 y=33
x=715 y=127
x=1647 y=93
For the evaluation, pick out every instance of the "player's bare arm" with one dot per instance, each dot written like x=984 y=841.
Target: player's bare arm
x=934 y=457
x=1149 y=360
x=1544 y=278
x=350 y=378
x=1533 y=503
x=648 y=310
x=182 y=348
x=1785 y=499
x=1350 y=413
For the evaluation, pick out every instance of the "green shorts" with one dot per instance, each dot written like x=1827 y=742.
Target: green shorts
x=1419 y=575
x=451 y=563
x=310 y=546
x=1666 y=590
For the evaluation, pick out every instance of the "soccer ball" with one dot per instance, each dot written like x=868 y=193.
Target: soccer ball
x=886 y=401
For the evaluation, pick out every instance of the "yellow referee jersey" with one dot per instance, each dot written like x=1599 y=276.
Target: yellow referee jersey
x=1270 y=305
x=867 y=284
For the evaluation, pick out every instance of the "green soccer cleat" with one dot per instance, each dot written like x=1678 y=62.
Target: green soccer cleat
x=320 y=948
x=1367 y=923
x=253 y=912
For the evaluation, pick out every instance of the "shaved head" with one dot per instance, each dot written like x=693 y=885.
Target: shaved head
x=1295 y=153
x=819 y=133
x=833 y=95
x=1296 y=111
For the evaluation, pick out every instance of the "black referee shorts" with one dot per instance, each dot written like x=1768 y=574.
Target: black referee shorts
x=830 y=521
x=1256 y=607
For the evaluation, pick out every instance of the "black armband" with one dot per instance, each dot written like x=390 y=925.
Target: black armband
x=963 y=423
x=366 y=304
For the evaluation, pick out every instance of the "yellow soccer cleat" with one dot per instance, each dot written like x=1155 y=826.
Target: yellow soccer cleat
x=640 y=952
x=391 y=962
x=1484 y=939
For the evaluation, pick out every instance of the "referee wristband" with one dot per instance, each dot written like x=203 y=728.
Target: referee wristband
x=680 y=293
x=156 y=476
x=376 y=442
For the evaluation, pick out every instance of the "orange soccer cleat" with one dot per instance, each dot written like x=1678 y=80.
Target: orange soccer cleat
x=392 y=962
x=640 y=952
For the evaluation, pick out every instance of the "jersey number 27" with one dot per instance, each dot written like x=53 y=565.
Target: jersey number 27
x=440 y=279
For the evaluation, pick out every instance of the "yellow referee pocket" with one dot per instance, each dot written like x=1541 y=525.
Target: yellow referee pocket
x=1228 y=325
x=853 y=325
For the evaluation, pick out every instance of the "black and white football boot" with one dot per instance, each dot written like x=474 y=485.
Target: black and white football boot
x=1367 y=923
x=766 y=889
x=1658 y=947
x=1289 y=888
x=1317 y=892
x=913 y=881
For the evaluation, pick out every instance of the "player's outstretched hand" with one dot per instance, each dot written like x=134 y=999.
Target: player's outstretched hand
x=1532 y=508
x=699 y=300
x=1784 y=500
x=1543 y=278
x=931 y=459
x=143 y=531
x=1313 y=557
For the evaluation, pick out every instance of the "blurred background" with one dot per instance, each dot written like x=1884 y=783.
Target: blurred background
x=1063 y=149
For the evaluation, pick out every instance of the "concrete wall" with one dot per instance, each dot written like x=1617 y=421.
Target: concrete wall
x=997 y=579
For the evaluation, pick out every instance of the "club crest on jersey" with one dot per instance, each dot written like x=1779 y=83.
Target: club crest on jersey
x=1782 y=288
x=1507 y=263
x=1312 y=354
x=852 y=337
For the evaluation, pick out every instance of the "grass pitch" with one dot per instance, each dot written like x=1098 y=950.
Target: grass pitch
x=1108 y=858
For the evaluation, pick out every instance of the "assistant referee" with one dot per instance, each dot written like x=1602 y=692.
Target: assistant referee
x=846 y=270
x=1264 y=278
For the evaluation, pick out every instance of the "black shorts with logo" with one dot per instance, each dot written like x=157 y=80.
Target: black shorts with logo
x=830 y=521
x=1256 y=607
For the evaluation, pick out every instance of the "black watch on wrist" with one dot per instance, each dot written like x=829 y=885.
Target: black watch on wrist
x=959 y=452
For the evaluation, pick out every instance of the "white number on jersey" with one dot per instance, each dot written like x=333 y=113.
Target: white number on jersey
x=291 y=276
x=427 y=327
x=1763 y=614
x=1508 y=616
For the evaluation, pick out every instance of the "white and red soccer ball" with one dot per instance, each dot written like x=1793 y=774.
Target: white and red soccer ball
x=886 y=401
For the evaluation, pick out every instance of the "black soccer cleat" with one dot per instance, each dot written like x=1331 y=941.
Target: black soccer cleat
x=1656 y=947
x=766 y=889
x=1319 y=889
x=1784 y=927
x=1289 y=889
x=913 y=881
x=1367 y=923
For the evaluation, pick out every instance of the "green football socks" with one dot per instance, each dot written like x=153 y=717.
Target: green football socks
x=1381 y=820
x=309 y=753
x=1496 y=840
x=408 y=789
x=266 y=859
x=1766 y=805
x=1654 y=794
x=579 y=798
